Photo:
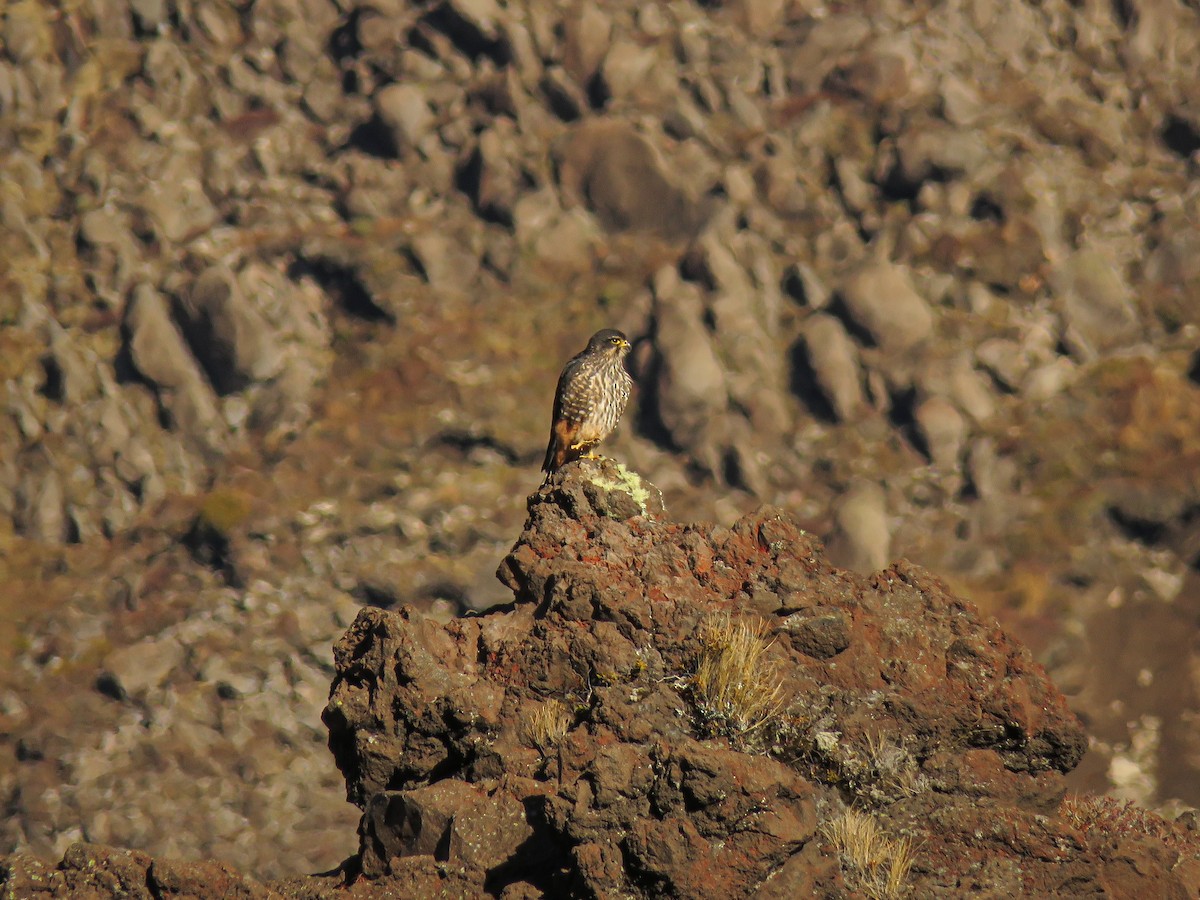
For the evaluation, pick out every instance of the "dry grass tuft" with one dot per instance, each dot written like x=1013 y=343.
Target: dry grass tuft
x=735 y=688
x=875 y=863
x=877 y=769
x=892 y=768
x=547 y=725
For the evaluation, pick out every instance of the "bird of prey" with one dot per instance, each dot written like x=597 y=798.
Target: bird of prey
x=591 y=396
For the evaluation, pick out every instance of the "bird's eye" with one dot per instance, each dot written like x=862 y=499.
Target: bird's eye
x=614 y=340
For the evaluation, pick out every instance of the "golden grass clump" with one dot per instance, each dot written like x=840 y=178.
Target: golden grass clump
x=735 y=688
x=547 y=724
x=875 y=863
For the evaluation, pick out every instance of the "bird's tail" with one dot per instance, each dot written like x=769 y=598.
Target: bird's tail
x=548 y=465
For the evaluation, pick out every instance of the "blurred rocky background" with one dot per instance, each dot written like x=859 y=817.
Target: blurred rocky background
x=285 y=287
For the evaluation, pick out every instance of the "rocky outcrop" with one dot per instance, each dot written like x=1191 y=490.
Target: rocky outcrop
x=571 y=742
x=676 y=710
x=284 y=288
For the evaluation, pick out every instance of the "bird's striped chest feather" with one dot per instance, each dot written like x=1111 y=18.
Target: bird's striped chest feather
x=595 y=394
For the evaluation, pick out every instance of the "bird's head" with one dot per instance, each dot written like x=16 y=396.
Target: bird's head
x=609 y=340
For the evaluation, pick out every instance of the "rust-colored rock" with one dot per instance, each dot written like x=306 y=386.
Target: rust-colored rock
x=894 y=695
x=92 y=870
x=329 y=256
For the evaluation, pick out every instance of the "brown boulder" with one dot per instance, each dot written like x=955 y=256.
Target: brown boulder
x=449 y=820
x=618 y=174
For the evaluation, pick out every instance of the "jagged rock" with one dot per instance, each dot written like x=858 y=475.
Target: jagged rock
x=927 y=148
x=491 y=176
x=69 y=378
x=403 y=110
x=159 y=353
x=42 y=507
x=93 y=870
x=603 y=489
x=630 y=71
x=744 y=306
x=943 y=431
x=1176 y=258
x=818 y=632
x=761 y=18
x=586 y=38
x=827 y=41
x=450 y=820
x=592 y=664
x=1004 y=360
x=177 y=204
x=132 y=670
x=1044 y=381
x=474 y=22
x=1097 y=306
x=446 y=263
x=970 y=391
x=566 y=98
x=689 y=390
x=805 y=286
x=230 y=337
x=1031 y=167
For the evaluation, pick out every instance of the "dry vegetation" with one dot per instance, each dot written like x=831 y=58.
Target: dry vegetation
x=1104 y=819
x=547 y=724
x=891 y=771
x=735 y=688
x=874 y=863
x=875 y=769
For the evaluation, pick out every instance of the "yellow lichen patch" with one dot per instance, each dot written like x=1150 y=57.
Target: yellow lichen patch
x=630 y=483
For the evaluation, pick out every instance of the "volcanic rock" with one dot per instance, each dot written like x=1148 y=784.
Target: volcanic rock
x=630 y=784
x=417 y=210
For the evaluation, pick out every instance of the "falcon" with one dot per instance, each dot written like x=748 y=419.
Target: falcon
x=591 y=396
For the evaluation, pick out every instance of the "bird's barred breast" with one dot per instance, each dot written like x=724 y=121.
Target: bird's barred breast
x=611 y=402
x=596 y=398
